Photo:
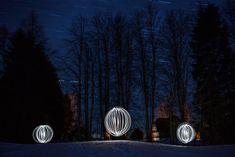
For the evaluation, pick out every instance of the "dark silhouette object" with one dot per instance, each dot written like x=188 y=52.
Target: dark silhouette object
x=72 y=131
x=163 y=126
x=75 y=135
x=3 y=42
x=214 y=72
x=29 y=91
x=137 y=134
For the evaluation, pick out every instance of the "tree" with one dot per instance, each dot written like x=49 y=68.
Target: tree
x=77 y=44
x=146 y=44
x=122 y=41
x=214 y=75
x=176 y=43
x=29 y=90
x=101 y=46
x=140 y=46
x=4 y=34
x=97 y=24
x=229 y=10
x=70 y=120
x=151 y=24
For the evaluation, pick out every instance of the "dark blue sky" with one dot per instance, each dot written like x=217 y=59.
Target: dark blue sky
x=57 y=15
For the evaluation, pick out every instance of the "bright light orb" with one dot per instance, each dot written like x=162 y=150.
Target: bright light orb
x=185 y=133
x=43 y=134
x=117 y=121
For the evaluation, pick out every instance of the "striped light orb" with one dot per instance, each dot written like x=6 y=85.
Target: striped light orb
x=43 y=134
x=117 y=121
x=185 y=133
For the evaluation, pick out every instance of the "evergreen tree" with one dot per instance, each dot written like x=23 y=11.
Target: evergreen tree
x=29 y=91
x=213 y=72
x=3 y=42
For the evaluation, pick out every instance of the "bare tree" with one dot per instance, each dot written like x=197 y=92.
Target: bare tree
x=152 y=41
x=128 y=65
x=92 y=90
x=96 y=42
x=229 y=10
x=176 y=38
x=140 y=46
x=78 y=49
x=101 y=44
x=118 y=26
x=146 y=44
x=122 y=57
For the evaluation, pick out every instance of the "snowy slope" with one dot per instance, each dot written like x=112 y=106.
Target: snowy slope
x=113 y=149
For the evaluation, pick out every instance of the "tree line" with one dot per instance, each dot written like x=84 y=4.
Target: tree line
x=184 y=61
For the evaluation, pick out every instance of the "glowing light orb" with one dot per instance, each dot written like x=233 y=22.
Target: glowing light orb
x=117 y=121
x=185 y=133
x=43 y=134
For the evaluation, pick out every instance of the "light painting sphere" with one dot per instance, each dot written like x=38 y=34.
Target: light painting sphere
x=117 y=121
x=43 y=134
x=185 y=133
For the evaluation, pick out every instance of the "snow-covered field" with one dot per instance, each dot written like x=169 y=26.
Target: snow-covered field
x=112 y=149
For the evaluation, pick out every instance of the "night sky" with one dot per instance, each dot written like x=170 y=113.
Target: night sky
x=57 y=15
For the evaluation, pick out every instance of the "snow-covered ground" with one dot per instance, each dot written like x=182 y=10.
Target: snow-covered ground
x=112 y=149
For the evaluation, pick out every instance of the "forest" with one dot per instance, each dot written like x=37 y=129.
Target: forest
x=163 y=68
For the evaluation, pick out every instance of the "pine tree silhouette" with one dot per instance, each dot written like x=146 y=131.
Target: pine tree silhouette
x=29 y=91
x=213 y=72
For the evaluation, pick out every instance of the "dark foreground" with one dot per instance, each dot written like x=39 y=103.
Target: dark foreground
x=112 y=149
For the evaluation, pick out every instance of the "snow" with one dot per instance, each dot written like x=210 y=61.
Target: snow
x=113 y=149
